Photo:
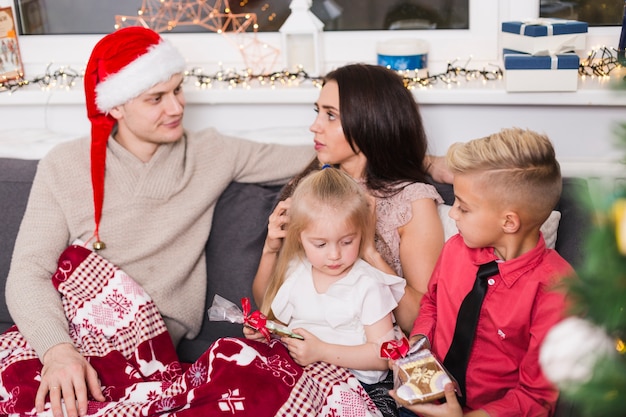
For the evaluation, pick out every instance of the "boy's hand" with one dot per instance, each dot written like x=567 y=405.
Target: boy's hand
x=418 y=342
x=451 y=408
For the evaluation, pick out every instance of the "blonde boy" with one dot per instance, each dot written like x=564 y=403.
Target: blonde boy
x=505 y=187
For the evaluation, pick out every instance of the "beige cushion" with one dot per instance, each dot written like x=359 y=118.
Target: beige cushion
x=549 y=227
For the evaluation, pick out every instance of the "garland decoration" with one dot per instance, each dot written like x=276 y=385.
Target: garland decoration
x=453 y=75
x=599 y=63
x=66 y=78
x=246 y=79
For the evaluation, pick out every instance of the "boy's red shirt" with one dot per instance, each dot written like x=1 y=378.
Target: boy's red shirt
x=504 y=377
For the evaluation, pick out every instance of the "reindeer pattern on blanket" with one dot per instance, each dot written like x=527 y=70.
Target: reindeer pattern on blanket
x=115 y=324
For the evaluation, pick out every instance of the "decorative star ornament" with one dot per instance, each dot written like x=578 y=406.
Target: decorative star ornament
x=215 y=16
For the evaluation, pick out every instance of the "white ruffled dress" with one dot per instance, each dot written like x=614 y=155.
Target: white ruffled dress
x=363 y=297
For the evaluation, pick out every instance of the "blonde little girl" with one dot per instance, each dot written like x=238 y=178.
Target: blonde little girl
x=320 y=287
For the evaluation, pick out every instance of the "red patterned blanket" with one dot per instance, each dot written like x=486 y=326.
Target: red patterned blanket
x=117 y=327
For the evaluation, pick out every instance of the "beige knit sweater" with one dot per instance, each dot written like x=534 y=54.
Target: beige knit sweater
x=155 y=223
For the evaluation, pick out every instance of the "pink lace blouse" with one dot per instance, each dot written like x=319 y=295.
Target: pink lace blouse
x=394 y=212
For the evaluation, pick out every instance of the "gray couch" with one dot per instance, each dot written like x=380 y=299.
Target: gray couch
x=236 y=239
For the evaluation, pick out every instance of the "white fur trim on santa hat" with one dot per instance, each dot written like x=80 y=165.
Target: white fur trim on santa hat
x=157 y=65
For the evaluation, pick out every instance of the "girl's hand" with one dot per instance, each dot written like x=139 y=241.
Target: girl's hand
x=277 y=226
x=252 y=334
x=451 y=408
x=304 y=352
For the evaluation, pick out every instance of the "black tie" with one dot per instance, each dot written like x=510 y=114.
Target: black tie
x=458 y=355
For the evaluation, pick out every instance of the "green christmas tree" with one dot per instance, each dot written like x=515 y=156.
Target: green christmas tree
x=585 y=355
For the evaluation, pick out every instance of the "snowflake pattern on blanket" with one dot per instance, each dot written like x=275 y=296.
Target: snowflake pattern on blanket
x=117 y=327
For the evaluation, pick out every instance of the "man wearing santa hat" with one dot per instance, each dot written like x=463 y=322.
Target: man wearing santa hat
x=141 y=191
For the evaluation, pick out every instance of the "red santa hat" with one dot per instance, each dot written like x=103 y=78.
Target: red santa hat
x=122 y=66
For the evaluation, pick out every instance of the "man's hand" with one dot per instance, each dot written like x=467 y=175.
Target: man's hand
x=438 y=169
x=67 y=376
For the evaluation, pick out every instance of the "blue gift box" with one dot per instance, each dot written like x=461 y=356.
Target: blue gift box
x=546 y=27
x=524 y=72
x=516 y=61
x=547 y=36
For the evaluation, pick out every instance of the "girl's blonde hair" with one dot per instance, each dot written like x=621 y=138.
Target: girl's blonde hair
x=327 y=188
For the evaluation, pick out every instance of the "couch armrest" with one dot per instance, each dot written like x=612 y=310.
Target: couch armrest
x=16 y=179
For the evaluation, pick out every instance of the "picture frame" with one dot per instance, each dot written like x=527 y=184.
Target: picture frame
x=32 y=15
x=11 y=65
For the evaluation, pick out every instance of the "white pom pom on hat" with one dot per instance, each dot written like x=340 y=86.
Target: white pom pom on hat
x=122 y=66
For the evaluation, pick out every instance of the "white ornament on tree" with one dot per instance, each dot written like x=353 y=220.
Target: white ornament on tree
x=571 y=349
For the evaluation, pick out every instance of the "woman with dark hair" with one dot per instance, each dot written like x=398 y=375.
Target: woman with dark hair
x=369 y=125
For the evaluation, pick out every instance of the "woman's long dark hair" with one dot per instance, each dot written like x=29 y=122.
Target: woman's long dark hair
x=380 y=118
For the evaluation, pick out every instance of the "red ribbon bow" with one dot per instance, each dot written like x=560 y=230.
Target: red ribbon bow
x=394 y=349
x=255 y=320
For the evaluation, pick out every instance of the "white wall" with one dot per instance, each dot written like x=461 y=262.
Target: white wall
x=580 y=123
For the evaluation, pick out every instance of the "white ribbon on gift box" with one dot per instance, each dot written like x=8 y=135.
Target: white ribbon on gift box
x=554 y=64
x=542 y=22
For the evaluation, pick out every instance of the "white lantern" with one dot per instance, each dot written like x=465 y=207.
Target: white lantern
x=301 y=39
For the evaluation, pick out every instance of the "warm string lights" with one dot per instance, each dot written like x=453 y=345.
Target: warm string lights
x=217 y=16
x=247 y=79
x=599 y=63
x=66 y=78
x=163 y=16
x=61 y=78
x=453 y=75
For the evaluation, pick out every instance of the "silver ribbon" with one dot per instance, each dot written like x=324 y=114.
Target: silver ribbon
x=542 y=22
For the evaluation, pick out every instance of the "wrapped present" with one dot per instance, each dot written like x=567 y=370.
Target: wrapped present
x=224 y=310
x=524 y=72
x=544 y=36
x=419 y=378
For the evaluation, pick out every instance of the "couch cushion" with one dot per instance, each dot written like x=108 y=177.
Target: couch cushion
x=16 y=176
x=239 y=227
x=549 y=227
x=575 y=206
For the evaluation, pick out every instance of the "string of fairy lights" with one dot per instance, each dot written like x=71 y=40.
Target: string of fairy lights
x=599 y=63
